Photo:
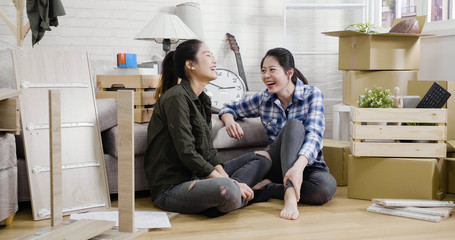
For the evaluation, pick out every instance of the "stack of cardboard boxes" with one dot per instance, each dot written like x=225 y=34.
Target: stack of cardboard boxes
x=387 y=60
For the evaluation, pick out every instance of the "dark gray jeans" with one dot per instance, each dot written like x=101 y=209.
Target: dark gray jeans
x=223 y=194
x=318 y=185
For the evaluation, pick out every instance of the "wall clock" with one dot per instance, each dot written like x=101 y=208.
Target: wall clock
x=227 y=88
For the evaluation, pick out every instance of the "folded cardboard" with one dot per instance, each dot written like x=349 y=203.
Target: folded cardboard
x=451 y=174
x=355 y=83
x=336 y=155
x=420 y=88
x=403 y=178
x=386 y=51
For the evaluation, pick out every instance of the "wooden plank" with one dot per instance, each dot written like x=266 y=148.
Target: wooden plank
x=421 y=115
x=381 y=149
x=399 y=132
x=140 y=98
x=83 y=188
x=82 y=229
x=55 y=157
x=114 y=234
x=128 y=81
x=126 y=161
x=9 y=112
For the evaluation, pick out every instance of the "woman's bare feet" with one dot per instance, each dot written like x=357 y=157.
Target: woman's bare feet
x=290 y=210
x=261 y=184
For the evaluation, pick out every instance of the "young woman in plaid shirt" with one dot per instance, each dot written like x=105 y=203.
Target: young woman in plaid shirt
x=292 y=113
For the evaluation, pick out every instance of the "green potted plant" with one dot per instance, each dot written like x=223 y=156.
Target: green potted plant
x=364 y=28
x=376 y=97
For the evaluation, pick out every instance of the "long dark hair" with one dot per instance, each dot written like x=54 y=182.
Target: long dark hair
x=286 y=60
x=173 y=66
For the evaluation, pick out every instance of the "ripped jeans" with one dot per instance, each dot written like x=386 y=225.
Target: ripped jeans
x=220 y=193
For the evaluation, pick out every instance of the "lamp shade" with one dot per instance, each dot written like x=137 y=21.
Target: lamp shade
x=165 y=26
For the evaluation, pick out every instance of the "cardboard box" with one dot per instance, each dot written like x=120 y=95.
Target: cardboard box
x=336 y=156
x=355 y=82
x=420 y=88
x=414 y=178
x=450 y=147
x=451 y=174
x=386 y=51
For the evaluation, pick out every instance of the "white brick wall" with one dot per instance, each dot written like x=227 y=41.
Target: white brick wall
x=106 y=27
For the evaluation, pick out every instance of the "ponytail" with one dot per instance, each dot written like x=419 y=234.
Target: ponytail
x=299 y=75
x=168 y=77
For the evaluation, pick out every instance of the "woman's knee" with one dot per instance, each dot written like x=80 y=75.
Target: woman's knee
x=265 y=154
x=294 y=125
x=326 y=191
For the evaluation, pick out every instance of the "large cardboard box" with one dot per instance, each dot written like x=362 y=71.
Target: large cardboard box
x=407 y=178
x=336 y=156
x=420 y=88
x=355 y=83
x=451 y=174
x=386 y=51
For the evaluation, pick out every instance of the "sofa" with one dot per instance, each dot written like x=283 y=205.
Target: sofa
x=255 y=139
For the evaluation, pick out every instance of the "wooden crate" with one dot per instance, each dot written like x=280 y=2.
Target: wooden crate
x=393 y=138
x=143 y=85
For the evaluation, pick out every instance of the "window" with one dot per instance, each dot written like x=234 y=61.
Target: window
x=436 y=10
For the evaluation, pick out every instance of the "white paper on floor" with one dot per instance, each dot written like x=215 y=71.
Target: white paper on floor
x=142 y=219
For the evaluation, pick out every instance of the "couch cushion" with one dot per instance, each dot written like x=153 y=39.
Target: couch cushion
x=110 y=138
x=140 y=179
x=252 y=127
x=107 y=113
x=7 y=151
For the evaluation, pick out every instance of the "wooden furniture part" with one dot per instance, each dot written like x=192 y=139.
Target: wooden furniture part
x=83 y=229
x=19 y=30
x=144 y=95
x=126 y=206
x=55 y=137
x=401 y=140
x=126 y=161
x=9 y=110
x=84 y=175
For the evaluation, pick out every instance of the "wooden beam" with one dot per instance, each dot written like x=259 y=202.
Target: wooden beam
x=8 y=22
x=55 y=157
x=125 y=103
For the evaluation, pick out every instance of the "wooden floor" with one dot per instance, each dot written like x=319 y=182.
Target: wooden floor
x=341 y=218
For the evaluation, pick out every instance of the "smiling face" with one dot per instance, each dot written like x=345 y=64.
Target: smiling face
x=275 y=78
x=204 y=69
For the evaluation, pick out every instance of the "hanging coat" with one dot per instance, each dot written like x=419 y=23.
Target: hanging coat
x=42 y=14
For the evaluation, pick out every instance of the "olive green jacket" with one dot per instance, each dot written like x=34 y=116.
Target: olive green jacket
x=179 y=139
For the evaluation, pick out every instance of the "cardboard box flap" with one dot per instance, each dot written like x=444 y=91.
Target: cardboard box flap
x=350 y=33
x=451 y=146
x=421 y=19
x=8 y=93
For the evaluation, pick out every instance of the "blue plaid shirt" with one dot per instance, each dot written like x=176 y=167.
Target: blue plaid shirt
x=307 y=105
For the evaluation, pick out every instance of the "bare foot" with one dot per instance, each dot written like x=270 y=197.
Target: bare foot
x=290 y=210
x=261 y=184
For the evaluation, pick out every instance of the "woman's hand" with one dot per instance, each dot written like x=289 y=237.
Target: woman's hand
x=246 y=191
x=295 y=175
x=233 y=129
x=220 y=169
